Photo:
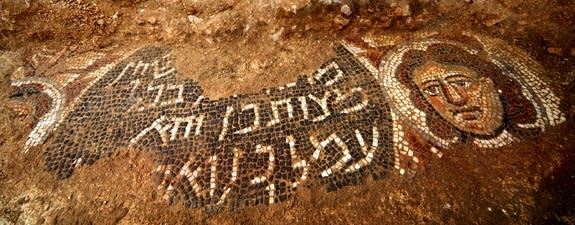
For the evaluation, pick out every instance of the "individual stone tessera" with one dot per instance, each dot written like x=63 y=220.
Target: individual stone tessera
x=383 y=104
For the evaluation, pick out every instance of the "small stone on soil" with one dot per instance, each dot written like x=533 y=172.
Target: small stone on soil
x=276 y=36
x=194 y=19
x=555 y=51
x=152 y=20
x=341 y=21
x=345 y=10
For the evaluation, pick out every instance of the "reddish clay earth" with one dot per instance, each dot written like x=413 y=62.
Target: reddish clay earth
x=233 y=47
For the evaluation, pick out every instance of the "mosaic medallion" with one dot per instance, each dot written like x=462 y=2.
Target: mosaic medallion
x=380 y=105
x=457 y=89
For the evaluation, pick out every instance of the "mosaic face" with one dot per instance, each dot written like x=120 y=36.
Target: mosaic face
x=374 y=107
x=470 y=102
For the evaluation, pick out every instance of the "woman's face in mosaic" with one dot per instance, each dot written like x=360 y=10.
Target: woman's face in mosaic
x=469 y=102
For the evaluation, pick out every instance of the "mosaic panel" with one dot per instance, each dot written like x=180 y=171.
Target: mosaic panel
x=380 y=105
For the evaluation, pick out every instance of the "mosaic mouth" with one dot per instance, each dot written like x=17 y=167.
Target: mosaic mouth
x=468 y=113
x=334 y=126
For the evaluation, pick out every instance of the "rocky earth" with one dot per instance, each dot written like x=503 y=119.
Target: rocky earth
x=240 y=46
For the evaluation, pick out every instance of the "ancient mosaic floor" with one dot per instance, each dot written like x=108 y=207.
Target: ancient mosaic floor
x=381 y=105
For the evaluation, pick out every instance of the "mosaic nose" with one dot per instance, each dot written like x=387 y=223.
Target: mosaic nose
x=453 y=94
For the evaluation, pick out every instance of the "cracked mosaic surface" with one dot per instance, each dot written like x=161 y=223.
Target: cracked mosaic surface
x=380 y=105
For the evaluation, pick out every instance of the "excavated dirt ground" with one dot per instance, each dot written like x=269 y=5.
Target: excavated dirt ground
x=239 y=46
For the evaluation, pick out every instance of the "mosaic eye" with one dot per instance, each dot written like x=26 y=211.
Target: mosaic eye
x=461 y=80
x=462 y=83
x=432 y=90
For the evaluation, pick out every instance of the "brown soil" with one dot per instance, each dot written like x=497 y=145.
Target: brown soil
x=242 y=46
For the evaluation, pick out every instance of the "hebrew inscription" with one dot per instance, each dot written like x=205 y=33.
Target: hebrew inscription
x=379 y=105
